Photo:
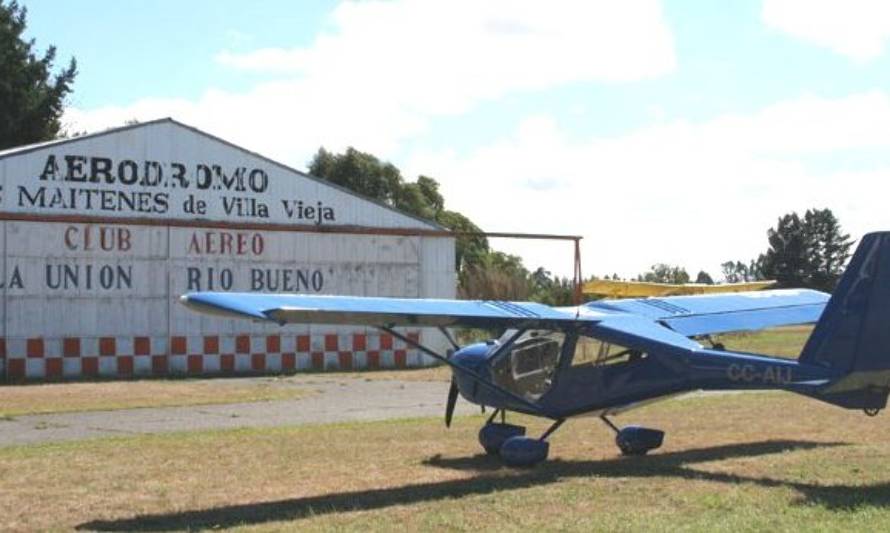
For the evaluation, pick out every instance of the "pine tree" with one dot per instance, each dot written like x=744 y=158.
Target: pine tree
x=830 y=248
x=806 y=252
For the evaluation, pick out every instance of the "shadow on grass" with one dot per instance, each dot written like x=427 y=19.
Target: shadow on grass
x=673 y=464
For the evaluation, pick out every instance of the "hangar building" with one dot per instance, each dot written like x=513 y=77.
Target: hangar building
x=100 y=234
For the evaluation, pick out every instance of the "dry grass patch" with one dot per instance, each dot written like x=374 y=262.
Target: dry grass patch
x=18 y=400
x=768 y=461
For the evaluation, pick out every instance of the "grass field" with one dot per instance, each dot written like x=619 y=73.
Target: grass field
x=18 y=400
x=749 y=462
x=738 y=462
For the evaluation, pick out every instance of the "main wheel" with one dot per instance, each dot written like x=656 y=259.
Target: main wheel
x=524 y=451
x=492 y=436
x=628 y=449
x=636 y=440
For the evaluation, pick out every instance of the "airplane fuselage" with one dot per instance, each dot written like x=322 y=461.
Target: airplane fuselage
x=575 y=390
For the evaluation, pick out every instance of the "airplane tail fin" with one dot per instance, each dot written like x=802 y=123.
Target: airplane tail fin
x=853 y=334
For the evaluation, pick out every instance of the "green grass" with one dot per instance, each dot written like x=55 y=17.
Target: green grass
x=759 y=462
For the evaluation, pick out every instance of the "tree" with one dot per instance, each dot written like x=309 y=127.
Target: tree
x=499 y=277
x=788 y=260
x=359 y=172
x=830 y=248
x=409 y=198
x=471 y=247
x=739 y=272
x=31 y=98
x=806 y=252
x=380 y=180
x=704 y=278
x=663 y=273
x=429 y=188
x=483 y=273
x=550 y=290
x=369 y=176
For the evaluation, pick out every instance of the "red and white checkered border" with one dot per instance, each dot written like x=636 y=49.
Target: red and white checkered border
x=53 y=359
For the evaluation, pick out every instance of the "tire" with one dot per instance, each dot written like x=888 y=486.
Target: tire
x=524 y=451
x=492 y=436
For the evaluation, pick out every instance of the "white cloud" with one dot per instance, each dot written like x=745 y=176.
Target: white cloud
x=384 y=69
x=857 y=29
x=694 y=194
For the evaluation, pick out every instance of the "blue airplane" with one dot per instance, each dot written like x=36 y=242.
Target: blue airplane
x=606 y=357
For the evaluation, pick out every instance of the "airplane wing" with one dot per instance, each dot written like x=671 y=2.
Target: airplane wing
x=721 y=313
x=640 y=289
x=643 y=333
x=369 y=311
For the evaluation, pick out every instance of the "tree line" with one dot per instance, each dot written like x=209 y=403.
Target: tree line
x=808 y=251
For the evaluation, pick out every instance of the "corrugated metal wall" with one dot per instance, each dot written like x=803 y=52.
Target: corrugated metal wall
x=86 y=296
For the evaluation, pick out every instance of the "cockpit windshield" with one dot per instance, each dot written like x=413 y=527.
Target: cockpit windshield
x=527 y=366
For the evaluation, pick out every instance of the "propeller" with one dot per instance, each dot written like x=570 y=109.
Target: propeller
x=452 y=401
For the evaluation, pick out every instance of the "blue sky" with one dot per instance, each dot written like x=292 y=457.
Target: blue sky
x=673 y=131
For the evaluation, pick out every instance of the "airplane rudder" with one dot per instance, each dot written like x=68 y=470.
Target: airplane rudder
x=854 y=330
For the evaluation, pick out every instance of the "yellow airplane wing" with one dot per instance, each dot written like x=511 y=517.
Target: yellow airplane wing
x=639 y=289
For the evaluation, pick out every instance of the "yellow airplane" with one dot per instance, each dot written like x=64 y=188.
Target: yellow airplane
x=608 y=288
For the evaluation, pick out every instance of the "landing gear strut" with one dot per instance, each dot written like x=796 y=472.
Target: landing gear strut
x=635 y=440
x=509 y=441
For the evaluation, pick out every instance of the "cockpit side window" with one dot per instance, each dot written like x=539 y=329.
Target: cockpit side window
x=590 y=352
x=528 y=365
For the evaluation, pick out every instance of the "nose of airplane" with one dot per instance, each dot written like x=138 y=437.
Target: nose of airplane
x=471 y=358
x=475 y=359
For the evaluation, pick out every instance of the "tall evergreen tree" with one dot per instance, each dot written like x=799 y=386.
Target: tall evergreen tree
x=806 y=252
x=31 y=97
x=830 y=248
x=788 y=259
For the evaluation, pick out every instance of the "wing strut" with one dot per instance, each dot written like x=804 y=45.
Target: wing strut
x=448 y=336
x=534 y=408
